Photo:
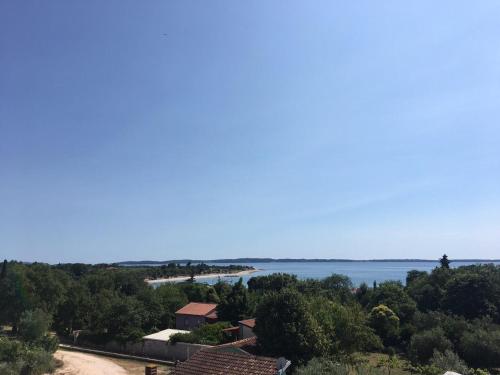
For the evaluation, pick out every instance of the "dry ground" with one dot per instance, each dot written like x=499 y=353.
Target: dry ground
x=76 y=363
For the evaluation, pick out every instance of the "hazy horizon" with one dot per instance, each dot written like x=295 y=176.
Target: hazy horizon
x=173 y=130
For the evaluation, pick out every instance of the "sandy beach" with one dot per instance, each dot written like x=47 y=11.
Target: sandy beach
x=204 y=276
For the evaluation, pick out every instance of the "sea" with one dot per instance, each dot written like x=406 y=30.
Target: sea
x=358 y=272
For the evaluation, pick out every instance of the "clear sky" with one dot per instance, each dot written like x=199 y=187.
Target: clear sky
x=178 y=129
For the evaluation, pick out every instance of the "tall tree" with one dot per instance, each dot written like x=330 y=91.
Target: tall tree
x=4 y=269
x=385 y=323
x=445 y=263
x=286 y=327
x=236 y=306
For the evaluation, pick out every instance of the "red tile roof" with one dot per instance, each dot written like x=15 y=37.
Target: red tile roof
x=239 y=343
x=212 y=362
x=248 y=322
x=212 y=315
x=198 y=309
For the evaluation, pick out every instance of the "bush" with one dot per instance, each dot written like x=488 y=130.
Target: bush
x=207 y=334
x=449 y=361
x=21 y=358
x=385 y=323
x=481 y=348
x=422 y=345
x=37 y=361
x=33 y=325
x=322 y=366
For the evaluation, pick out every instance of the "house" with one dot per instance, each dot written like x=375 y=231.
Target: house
x=195 y=314
x=246 y=328
x=216 y=362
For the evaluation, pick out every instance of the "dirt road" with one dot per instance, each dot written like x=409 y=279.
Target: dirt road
x=77 y=363
x=86 y=364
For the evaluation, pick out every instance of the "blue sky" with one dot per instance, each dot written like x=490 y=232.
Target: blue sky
x=180 y=129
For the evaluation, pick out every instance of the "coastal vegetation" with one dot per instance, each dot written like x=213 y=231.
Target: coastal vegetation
x=445 y=319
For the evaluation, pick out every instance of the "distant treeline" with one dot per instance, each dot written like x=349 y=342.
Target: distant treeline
x=287 y=260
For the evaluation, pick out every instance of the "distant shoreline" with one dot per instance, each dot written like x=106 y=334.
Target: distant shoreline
x=290 y=260
x=202 y=276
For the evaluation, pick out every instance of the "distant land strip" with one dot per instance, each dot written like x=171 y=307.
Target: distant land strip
x=288 y=260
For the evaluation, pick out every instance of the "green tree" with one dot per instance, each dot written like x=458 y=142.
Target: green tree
x=126 y=319
x=172 y=298
x=4 y=269
x=34 y=324
x=481 y=348
x=274 y=282
x=445 y=263
x=423 y=344
x=285 y=327
x=15 y=296
x=385 y=323
x=338 y=287
x=212 y=295
x=393 y=295
x=473 y=293
x=364 y=294
x=236 y=306
x=223 y=289
x=345 y=327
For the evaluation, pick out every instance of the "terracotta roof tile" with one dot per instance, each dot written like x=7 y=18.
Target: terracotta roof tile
x=198 y=309
x=212 y=315
x=248 y=322
x=239 y=343
x=212 y=362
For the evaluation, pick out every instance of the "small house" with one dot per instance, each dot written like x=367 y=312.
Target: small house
x=246 y=328
x=195 y=314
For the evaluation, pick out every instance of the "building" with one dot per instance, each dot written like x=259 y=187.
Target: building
x=216 y=362
x=163 y=336
x=246 y=328
x=158 y=345
x=195 y=314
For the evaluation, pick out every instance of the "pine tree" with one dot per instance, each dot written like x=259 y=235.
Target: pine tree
x=445 y=263
x=4 y=269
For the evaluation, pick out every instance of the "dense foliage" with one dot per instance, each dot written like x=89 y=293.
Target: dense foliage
x=208 y=334
x=106 y=301
x=447 y=317
x=31 y=352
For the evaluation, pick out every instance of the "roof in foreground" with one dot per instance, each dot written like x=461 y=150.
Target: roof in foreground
x=163 y=335
x=197 y=308
x=212 y=362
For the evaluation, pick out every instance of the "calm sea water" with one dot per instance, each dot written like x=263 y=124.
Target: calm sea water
x=358 y=271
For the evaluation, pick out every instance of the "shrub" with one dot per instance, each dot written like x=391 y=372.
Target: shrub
x=449 y=361
x=423 y=344
x=21 y=358
x=385 y=323
x=33 y=325
x=207 y=334
x=37 y=361
x=322 y=366
x=481 y=348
